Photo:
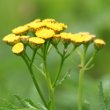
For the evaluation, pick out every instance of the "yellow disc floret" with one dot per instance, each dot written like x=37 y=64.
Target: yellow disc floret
x=84 y=33
x=36 y=41
x=49 y=20
x=11 y=39
x=35 y=25
x=45 y=33
x=87 y=38
x=99 y=43
x=57 y=27
x=77 y=39
x=66 y=36
x=20 y=30
x=18 y=48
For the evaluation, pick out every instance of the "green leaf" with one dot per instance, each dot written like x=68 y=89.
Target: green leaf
x=107 y=102
x=87 y=105
x=5 y=104
x=27 y=109
x=30 y=104
x=22 y=102
x=102 y=105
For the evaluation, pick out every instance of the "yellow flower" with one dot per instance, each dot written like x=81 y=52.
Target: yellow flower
x=66 y=36
x=24 y=38
x=36 y=20
x=87 y=38
x=35 y=25
x=49 y=20
x=45 y=33
x=57 y=27
x=11 y=39
x=84 y=33
x=82 y=37
x=18 y=48
x=99 y=43
x=77 y=39
x=20 y=30
x=36 y=41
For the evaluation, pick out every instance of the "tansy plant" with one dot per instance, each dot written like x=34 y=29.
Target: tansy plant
x=41 y=37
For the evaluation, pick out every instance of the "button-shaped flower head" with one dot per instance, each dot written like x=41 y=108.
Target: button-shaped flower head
x=87 y=38
x=99 y=43
x=77 y=39
x=20 y=30
x=45 y=33
x=11 y=39
x=18 y=48
x=36 y=42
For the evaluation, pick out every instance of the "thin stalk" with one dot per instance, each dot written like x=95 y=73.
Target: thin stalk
x=63 y=58
x=81 y=76
x=33 y=56
x=70 y=52
x=59 y=72
x=80 y=97
x=51 y=89
x=90 y=60
x=34 y=81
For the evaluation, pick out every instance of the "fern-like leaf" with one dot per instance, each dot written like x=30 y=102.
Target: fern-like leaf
x=102 y=105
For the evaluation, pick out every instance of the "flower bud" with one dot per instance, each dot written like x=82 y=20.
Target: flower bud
x=99 y=43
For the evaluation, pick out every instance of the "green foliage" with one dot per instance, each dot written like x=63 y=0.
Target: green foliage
x=21 y=104
x=104 y=101
x=102 y=105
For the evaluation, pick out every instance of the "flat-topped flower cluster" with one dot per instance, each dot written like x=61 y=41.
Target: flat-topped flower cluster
x=44 y=30
x=44 y=34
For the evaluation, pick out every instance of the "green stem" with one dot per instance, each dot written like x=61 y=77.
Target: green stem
x=80 y=97
x=81 y=76
x=51 y=89
x=34 y=80
x=33 y=56
x=63 y=58
x=59 y=72
x=90 y=60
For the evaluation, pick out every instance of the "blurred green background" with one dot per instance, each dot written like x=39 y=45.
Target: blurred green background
x=80 y=15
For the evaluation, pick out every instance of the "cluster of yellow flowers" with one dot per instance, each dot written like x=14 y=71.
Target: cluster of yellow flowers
x=44 y=30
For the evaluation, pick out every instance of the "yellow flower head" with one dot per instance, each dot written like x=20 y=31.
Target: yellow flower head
x=93 y=36
x=24 y=38
x=77 y=39
x=20 y=30
x=36 y=41
x=87 y=38
x=83 y=33
x=99 y=43
x=66 y=36
x=11 y=39
x=57 y=27
x=35 y=25
x=45 y=33
x=49 y=20
x=36 y=20
x=18 y=48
